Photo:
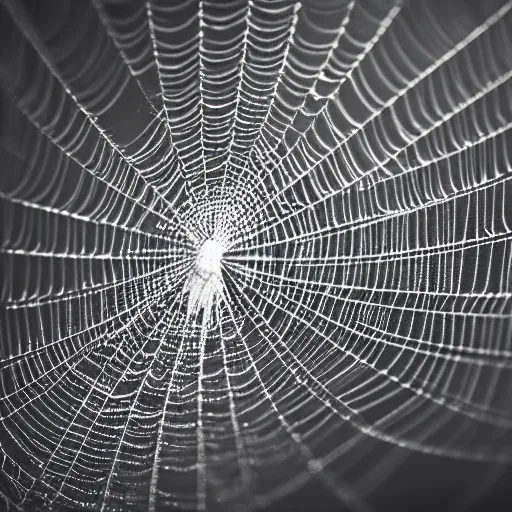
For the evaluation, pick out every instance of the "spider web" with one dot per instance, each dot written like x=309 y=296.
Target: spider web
x=249 y=244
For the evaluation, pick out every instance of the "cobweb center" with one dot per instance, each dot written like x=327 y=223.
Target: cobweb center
x=210 y=257
x=205 y=282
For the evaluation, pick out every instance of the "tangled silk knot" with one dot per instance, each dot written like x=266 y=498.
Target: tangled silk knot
x=205 y=282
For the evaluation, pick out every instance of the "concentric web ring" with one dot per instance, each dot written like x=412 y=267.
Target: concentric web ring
x=246 y=245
